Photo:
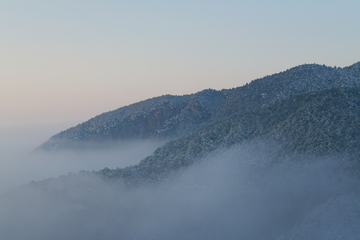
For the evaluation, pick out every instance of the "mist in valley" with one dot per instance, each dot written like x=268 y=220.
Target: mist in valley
x=22 y=163
x=245 y=192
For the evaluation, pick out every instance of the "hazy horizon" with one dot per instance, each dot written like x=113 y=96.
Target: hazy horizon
x=65 y=62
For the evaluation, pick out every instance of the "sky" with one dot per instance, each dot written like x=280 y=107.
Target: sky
x=63 y=62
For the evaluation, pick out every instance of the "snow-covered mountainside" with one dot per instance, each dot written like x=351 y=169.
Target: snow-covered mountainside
x=278 y=158
x=173 y=116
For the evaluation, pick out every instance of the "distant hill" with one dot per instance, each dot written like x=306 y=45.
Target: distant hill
x=175 y=116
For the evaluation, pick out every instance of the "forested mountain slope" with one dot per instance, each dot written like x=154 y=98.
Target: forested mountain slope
x=173 y=116
x=314 y=124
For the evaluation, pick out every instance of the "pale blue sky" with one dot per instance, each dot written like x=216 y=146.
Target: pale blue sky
x=67 y=61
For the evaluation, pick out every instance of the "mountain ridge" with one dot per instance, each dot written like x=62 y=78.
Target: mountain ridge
x=170 y=116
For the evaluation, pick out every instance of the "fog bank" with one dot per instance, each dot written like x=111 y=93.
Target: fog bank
x=243 y=193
